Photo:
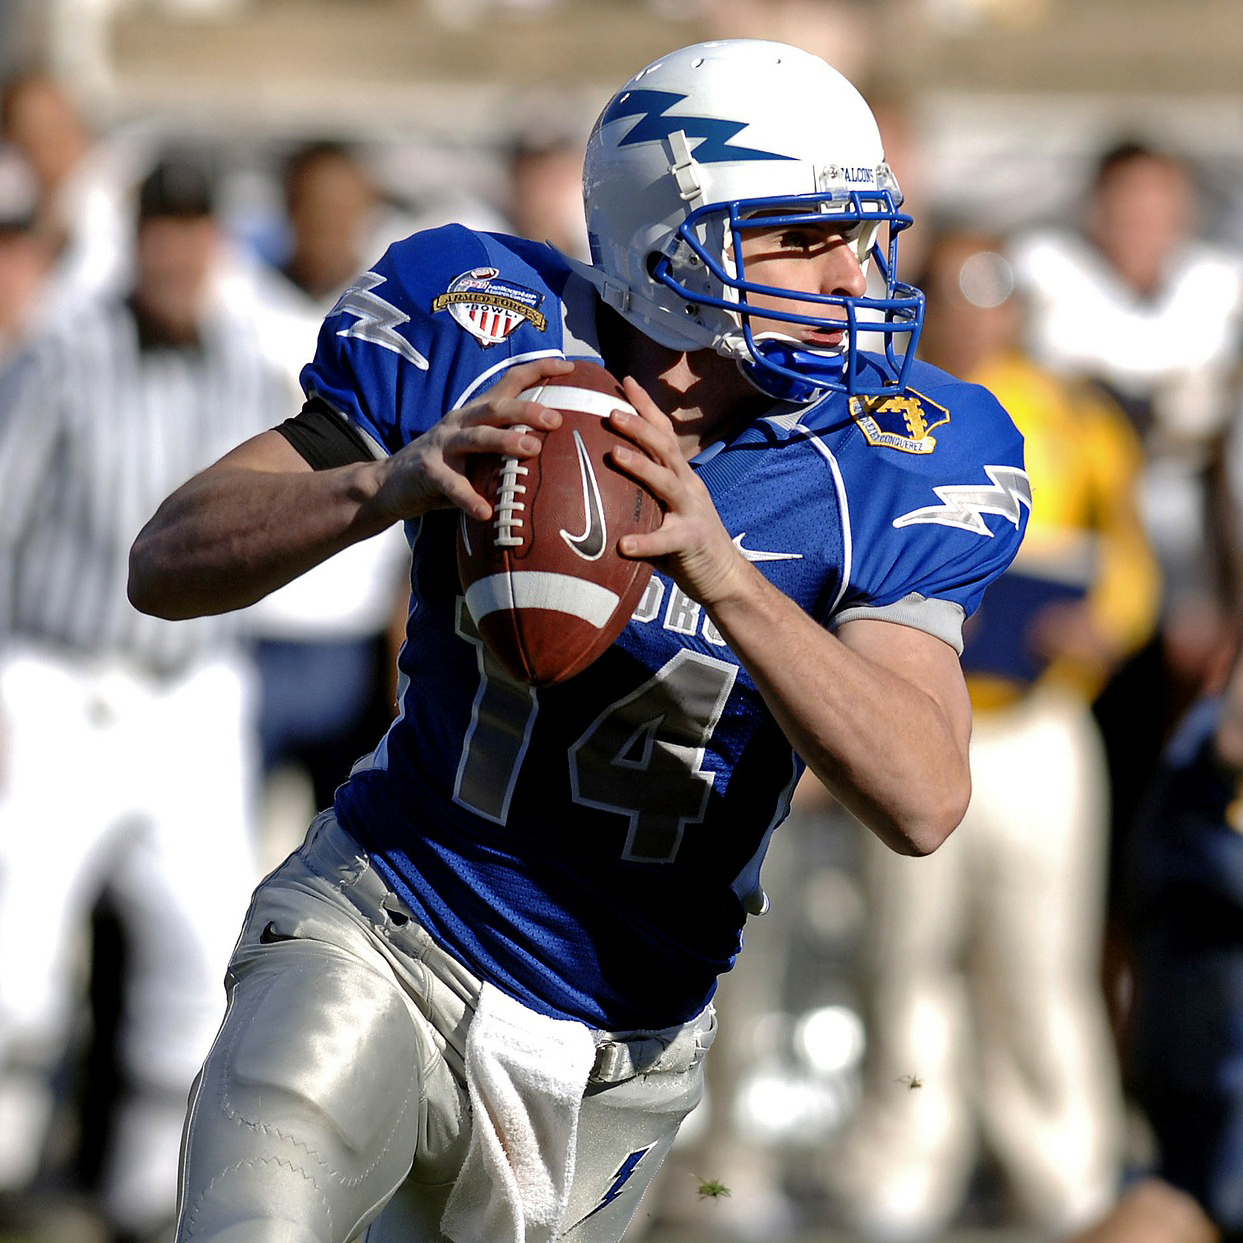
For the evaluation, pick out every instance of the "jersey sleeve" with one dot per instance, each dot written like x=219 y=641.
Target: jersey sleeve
x=413 y=336
x=934 y=518
x=323 y=438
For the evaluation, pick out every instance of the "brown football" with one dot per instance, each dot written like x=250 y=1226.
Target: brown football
x=544 y=582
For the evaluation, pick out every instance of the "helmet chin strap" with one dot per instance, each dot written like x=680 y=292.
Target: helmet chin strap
x=684 y=170
x=780 y=369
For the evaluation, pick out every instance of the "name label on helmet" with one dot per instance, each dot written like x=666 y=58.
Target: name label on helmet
x=903 y=423
x=835 y=175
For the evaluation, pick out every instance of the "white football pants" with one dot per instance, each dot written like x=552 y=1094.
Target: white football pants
x=340 y=1074
x=111 y=776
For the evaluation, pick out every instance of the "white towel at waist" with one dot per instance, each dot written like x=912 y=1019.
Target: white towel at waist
x=526 y=1074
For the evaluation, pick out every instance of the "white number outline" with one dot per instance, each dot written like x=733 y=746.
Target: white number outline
x=480 y=745
x=671 y=683
x=494 y=746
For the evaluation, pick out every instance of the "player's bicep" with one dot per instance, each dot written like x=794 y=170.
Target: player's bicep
x=269 y=452
x=928 y=663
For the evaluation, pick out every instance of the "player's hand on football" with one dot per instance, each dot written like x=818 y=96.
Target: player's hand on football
x=433 y=471
x=691 y=543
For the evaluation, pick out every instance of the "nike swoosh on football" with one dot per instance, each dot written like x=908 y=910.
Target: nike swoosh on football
x=590 y=544
x=753 y=555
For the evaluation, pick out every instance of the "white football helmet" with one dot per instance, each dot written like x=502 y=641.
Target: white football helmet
x=698 y=142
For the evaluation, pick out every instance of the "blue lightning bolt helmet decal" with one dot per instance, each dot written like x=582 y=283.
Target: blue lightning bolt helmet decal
x=655 y=125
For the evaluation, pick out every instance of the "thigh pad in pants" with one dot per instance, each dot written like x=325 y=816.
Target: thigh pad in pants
x=324 y=1084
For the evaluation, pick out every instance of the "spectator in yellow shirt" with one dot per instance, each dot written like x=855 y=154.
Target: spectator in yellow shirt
x=984 y=961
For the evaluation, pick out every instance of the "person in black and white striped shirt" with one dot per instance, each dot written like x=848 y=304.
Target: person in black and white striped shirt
x=126 y=752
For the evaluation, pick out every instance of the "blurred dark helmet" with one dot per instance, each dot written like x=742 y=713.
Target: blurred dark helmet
x=182 y=183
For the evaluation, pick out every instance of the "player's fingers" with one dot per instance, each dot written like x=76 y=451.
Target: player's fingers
x=644 y=405
x=508 y=411
x=674 y=542
x=515 y=440
x=659 y=443
x=526 y=375
x=650 y=426
x=457 y=491
x=654 y=475
x=425 y=480
x=650 y=546
x=676 y=491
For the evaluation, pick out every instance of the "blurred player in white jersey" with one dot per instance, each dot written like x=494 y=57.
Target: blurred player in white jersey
x=130 y=750
x=1135 y=298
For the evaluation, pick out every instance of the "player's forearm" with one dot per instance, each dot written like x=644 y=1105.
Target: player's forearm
x=884 y=747
x=231 y=535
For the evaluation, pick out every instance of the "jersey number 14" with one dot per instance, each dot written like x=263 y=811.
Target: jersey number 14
x=641 y=758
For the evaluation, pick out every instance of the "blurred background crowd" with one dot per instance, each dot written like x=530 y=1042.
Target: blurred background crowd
x=911 y=1048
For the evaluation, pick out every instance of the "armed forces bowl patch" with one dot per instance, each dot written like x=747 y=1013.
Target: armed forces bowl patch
x=903 y=423
x=488 y=308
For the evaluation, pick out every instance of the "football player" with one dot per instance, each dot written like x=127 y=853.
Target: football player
x=489 y=969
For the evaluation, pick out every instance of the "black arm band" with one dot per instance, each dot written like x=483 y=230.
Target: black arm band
x=324 y=438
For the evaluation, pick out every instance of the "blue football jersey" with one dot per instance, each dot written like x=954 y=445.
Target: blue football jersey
x=1185 y=850
x=593 y=848
x=1183 y=903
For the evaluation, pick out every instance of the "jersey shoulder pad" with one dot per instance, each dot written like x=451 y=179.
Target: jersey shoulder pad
x=423 y=328
x=486 y=284
x=937 y=423
x=938 y=494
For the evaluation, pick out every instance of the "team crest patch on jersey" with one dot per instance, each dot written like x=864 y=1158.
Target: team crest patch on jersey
x=904 y=423
x=488 y=308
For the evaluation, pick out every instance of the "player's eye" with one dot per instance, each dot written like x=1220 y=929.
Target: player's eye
x=798 y=239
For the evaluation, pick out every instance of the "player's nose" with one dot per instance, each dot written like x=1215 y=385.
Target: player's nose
x=841 y=272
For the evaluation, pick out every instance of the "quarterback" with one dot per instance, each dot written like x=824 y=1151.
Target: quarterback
x=488 y=972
